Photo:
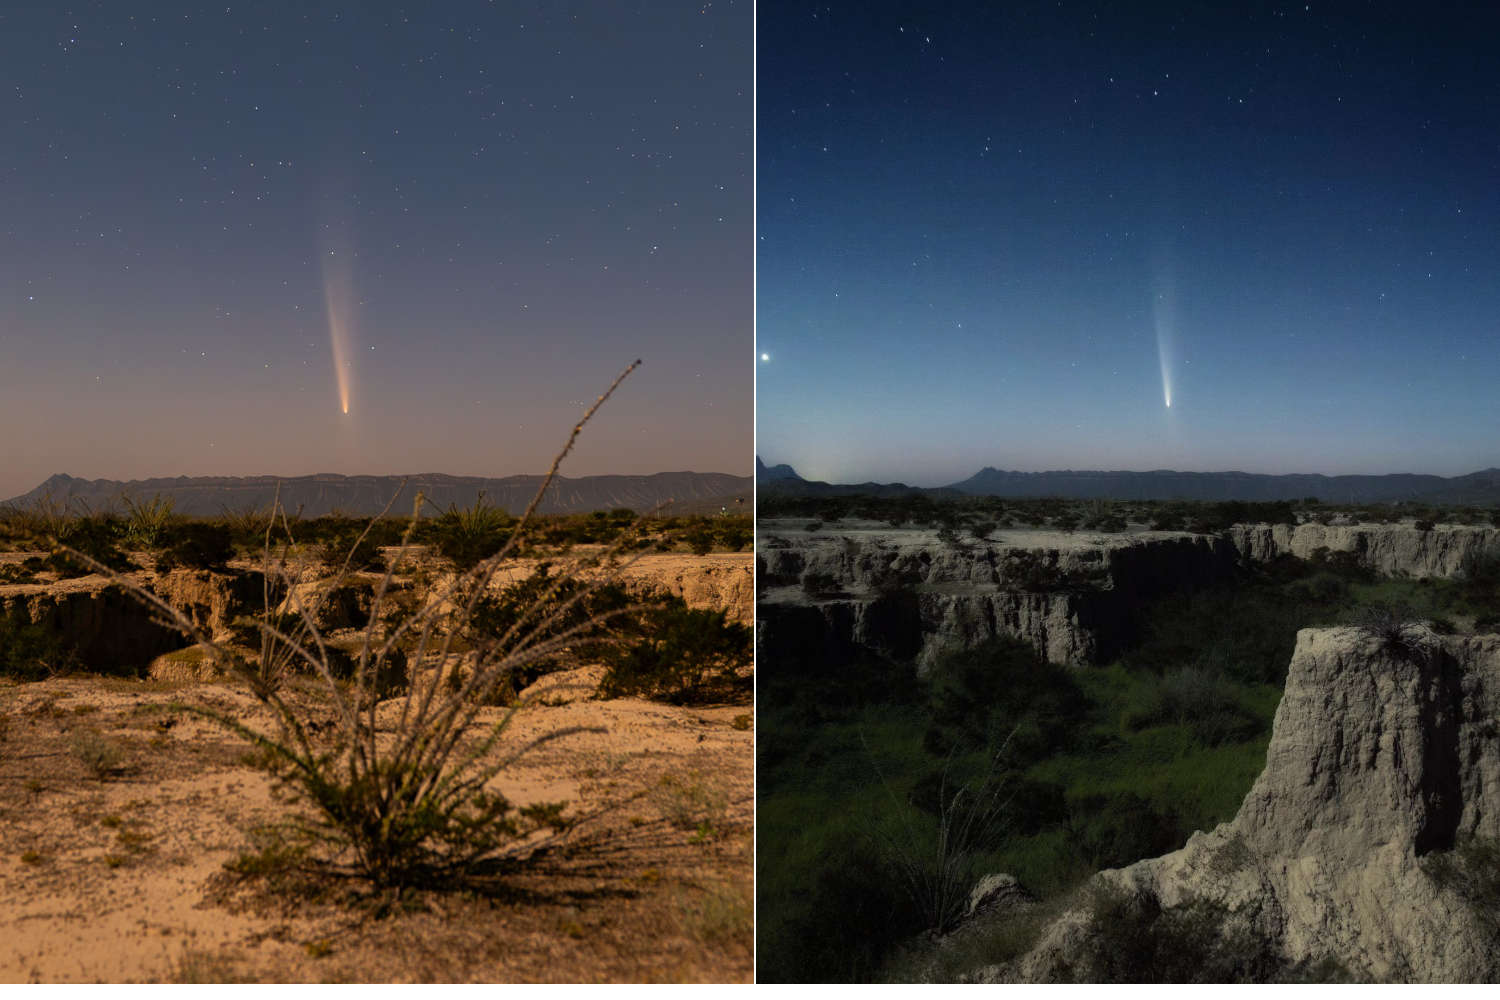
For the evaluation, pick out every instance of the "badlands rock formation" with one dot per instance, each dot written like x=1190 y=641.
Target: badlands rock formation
x=1381 y=757
x=1387 y=549
x=718 y=581
x=111 y=630
x=906 y=594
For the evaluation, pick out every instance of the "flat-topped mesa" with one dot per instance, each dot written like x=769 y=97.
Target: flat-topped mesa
x=909 y=594
x=1381 y=758
x=1387 y=549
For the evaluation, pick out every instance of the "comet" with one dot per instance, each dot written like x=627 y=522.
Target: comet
x=1163 y=310
x=338 y=302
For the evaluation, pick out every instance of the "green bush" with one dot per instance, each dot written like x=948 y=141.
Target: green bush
x=472 y=535
x=843 y=921
x=1203 y=700
x=148 y=521
x=1132 y=938
x=1119 y=829
x=32 y=652
x=96 y=536
x=1001 y=692
x=700 y=538
x=684 y=655
x=197 y=545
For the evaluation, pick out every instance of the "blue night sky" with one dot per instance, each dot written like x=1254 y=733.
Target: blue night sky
x=220 y=223
x=1000 y=234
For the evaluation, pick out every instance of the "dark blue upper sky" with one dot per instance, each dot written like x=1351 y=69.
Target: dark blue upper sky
x=1003 y=234
x=499 y=205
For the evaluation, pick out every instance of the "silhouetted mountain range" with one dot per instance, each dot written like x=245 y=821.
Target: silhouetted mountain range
x=691 y=493
x=1482 y=488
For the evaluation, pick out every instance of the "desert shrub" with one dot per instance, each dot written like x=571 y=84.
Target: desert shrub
x=196 y=545
x=100 y=755
x=1203 y=700
x=247 y=526
x=547 y=606
x=30 y=652
x=147 y=521
x=1132 y=938
x=853 y=880
x=1423 y=525
x=700 y=538
x=1323 y=588
x=981 y=529
x=416 y=805
x=1393 y=625
x=348 y=548
x=1113 y=830
x=1001 y=692
x=689 y=801
x=685 y=655
x=736 y=533
x=937 y=868
x=472 y=535
x=93 y=536
x=1479 y=576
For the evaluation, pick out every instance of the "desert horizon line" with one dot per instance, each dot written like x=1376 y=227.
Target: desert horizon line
x=763 y=466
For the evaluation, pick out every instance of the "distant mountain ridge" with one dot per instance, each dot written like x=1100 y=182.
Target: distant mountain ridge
x=1481 y=488
x=691 y=492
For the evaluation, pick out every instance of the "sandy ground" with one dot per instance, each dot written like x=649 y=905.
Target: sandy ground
x=122 y=878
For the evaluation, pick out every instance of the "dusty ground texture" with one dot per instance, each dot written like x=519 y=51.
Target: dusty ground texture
x=119 y=812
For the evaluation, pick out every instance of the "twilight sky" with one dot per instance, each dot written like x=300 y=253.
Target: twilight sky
x=477 y=213
x=1000 y=234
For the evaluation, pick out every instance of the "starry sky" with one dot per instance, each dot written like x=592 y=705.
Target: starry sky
x=221 y=224
x=1007 y=234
